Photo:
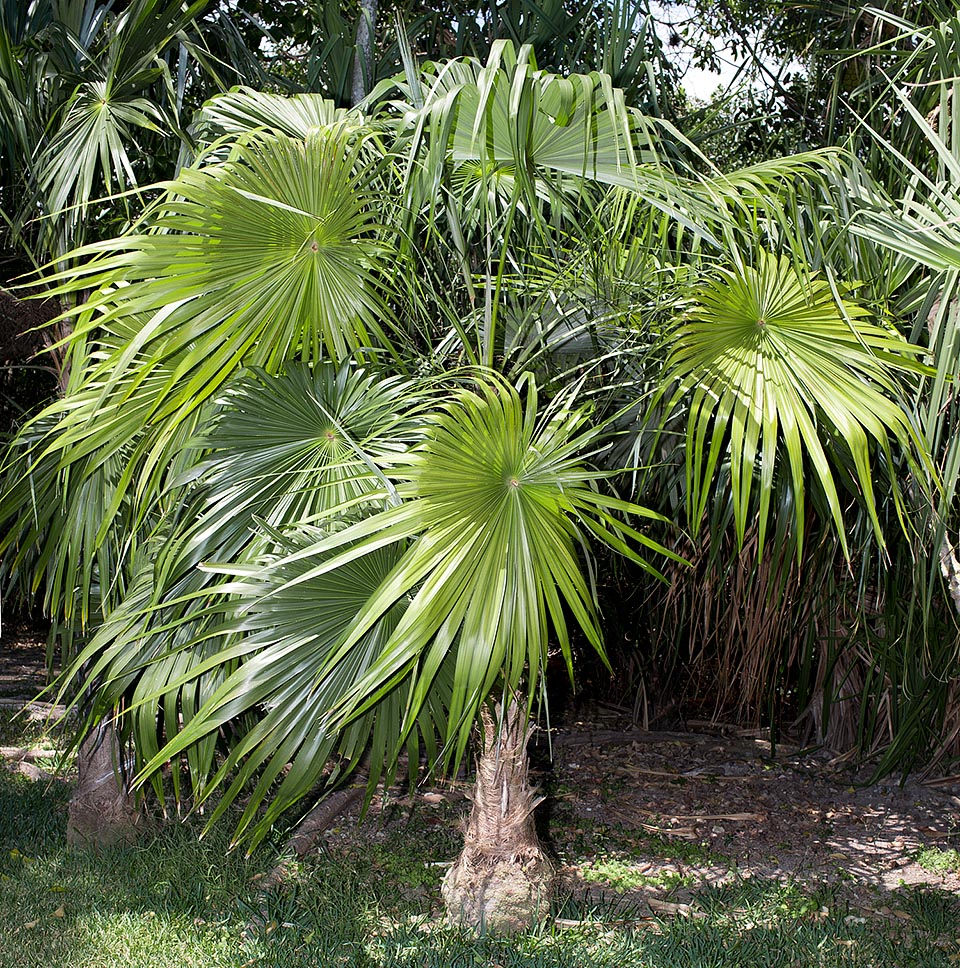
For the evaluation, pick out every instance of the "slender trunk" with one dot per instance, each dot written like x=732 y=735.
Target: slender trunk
x=363 y=58
x=950 y=568
x=502 y=881
x=102 y=811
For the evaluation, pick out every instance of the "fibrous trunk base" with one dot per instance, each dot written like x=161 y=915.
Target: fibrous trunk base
x=102 y=811
x=502 y=881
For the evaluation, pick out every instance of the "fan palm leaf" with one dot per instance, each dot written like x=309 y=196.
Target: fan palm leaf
x=771 y=365
x=238 y=112
x=282 y=452
x=273 y=255
x=294 y=575
x=277 y=453
x=497 y=505
x=274 y=453
x=353 y=637
x=92 y=144
x=279 y=240
x=276 y=702
x=92 y=97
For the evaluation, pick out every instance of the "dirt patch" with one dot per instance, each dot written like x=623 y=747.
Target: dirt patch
x=644 y=820
x=687 y=808
x=679 y=810
x=23 y=656
x=21 y=325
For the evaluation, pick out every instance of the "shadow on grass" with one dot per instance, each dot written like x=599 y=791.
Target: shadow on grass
x=176 y=900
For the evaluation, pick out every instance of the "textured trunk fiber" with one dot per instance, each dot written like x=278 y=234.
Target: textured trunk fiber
x=102 y=811
x=950 y=568
x=502 y=881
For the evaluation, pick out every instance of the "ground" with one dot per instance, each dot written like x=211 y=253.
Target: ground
x=719 y=806
x=648 y=818
x=22 y=659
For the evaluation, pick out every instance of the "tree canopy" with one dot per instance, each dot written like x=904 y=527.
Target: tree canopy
x=367 y=408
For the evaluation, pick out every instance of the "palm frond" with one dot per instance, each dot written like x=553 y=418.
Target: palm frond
x=501 y=502
x=770 y=366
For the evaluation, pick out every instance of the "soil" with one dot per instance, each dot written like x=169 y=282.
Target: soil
x=684 y=809
x=732 y=806
x=23 y=658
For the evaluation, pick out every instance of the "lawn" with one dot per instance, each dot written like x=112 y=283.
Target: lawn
x=370 y=898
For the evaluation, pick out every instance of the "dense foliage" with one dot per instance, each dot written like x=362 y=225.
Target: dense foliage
x=363 y=407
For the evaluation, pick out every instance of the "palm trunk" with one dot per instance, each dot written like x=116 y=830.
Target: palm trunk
x=102 y=811
x=502 y=881
x=950 y=568
x=363 y=58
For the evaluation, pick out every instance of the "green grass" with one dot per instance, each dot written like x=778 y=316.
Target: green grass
x=623 y=875
x=939 y=861
x=17 y=729
x=176 y=900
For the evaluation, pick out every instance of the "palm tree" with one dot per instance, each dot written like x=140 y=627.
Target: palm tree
x=302 y=507
x=863 y=654
x=95 y=103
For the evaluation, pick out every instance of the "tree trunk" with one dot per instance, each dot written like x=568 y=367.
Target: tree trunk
x=363 y=57
x=950 y=568
x=102 y=811
x=502 y=881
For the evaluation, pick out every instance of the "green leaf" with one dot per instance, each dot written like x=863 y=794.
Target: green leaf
x=772 y=366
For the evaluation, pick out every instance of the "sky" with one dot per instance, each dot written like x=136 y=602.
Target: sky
x=697 y=83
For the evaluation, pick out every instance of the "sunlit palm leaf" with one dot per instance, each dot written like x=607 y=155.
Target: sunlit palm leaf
x=280 y=240
x=244 y=110
x=58 y=513
x=289 y=626
x=770 y=365
x=501 y=503
x=278 y=452
x=91 y=148
x=272 y=256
